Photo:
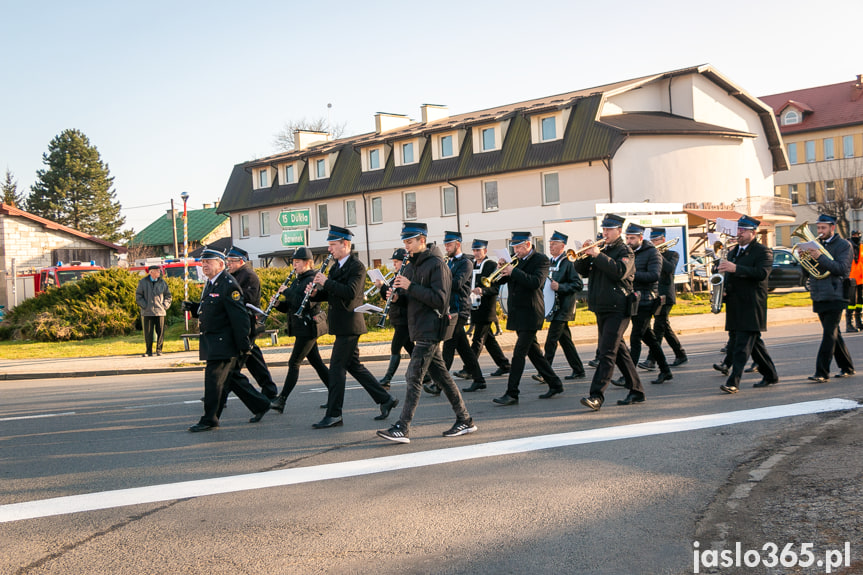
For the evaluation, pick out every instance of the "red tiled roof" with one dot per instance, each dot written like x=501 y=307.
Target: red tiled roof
x=830 y=106
x=8 y=210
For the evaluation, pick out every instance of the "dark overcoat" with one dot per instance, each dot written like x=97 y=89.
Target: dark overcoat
x=563 y=272
x=223 y=320
x=343 y=292
x=487 y=310
x=526 y=306
x=746 y=288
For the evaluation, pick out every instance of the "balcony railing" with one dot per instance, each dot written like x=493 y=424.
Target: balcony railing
x=768 y=207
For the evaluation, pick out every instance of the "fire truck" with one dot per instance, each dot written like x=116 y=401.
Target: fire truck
x=172 y=268
x=61 y=274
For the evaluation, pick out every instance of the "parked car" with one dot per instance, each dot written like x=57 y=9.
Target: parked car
x=786 y=271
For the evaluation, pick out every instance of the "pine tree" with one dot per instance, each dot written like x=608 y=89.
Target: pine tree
x=10 y=195
x=75 y=189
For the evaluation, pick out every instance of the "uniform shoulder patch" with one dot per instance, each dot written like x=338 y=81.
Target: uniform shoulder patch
x=235 y=295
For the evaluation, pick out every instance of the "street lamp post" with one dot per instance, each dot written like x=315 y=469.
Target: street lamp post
x=185 y=196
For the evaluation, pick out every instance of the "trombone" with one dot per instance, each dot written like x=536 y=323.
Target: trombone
x=579 y=254
x=809 y=263
x=492 y=278
x=667 y=245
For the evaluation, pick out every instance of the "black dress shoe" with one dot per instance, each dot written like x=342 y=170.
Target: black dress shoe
x=728 y=388
x=593 y=363
x=323 y=406
x=551 y=392
x=619 y=382
x=818 y=379
x=663 y=377
x=500 y=371
x=537 y=378
x=721 y=368
x=474 y=387
x=201 y=427
x=258 y=416
x=751 y=369
x=386 y=407
x=158 y=353
x=576 y=375
x=328 y=422
x=764 y=383
x=431 y=388
x=461 y=374
x=679 y=361
x=593 y=403
x=633 y=397
x=647 y=364
x=278 y=404
x=506 y=400
x=845 y=373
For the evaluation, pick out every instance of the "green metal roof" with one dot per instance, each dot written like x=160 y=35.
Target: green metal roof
x=201 y=224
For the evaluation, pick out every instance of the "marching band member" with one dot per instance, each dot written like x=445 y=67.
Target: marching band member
x=526 y=314
x=746 y=270
x=611 y=297
x=343 y=291
x=829 y=299
x=661 y=326
x=401 y=337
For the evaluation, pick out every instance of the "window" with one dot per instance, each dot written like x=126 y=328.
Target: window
x=244 y=225
x=793 y=194
x=408 y=153
x=374 y=159
x=548 y=128
x=377 y=210
x=321 y=168
x=446 y=146
x=265 y=223
x=848 y=146
x=323 y=220
x=790 y=117
x=262 y=179
x=850 y=192
x=550 y=189
x=782 y=258
x=792 y=153
x=828 y=149
x=489 y=196
x=448 y=201
x=829 y=191
x=811 y=196
x=777 y=191
x=289 y=174
x=810 y=151
x=350 y=213
x=488 y=139
x=410 y=199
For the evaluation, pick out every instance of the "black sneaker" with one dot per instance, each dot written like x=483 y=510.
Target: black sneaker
x=460 y=428
x=397 y=433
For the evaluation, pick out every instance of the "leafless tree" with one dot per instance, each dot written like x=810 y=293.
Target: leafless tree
x=839 y=189
x=283 y=141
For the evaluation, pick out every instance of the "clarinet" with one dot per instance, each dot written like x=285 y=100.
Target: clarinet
x=305 y=302
x=386 y=311
x=274 y=299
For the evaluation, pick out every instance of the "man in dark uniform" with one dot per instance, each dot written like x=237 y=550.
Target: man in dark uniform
x=305 y=329
x=661 y=326
x=224 y=323
x=746 y=270
x=611 y=297
x=526 y=313
x=648 y=267
x=401 y=336
x=240 y=267
x=343 y=291
x=423 y=291
x=829 y=298
x=565 y=283
x=482 y=316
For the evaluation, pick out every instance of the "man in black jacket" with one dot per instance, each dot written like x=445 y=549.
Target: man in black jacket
x=610 y=296
x=423 y=290
x=746 y=270
x=525 y=276
x=565 y=283
x=224 y=323
x=240 y=267
x=343 y=292
x=661 y=326
x=829 y=299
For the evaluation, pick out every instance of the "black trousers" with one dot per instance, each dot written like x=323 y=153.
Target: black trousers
x=459 y=342
x=483 y=336
x=641 y=332
x=304 y=348
x=662 y=329
x=613 y=351
x=526 y=346
x=260 y=372
x=426 y=357
x=742 y=344
x=401 y=340
x=152 y=323
x=346 y=358
x=558 y=332
x=222 y=377
x=832 y=345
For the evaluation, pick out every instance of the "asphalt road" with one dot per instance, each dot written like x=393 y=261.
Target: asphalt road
x=625 y=506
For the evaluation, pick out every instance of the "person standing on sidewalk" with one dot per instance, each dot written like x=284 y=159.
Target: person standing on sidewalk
x=240 y=267
x=611 y=297
x=855 y=302
x=154 y=298
x=343 y=292
x=565 y=283
x=399 y=321
x=830 y=298
x=746 y=270
x=661 y=326
x=423 y=291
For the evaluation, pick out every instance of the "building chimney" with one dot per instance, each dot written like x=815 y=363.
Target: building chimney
x=208 y=206
x=857 y=90
x=385 y=122
x=432 y=112
x=171 y=216
x=305 y=138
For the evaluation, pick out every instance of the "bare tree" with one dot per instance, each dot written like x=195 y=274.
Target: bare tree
x=839 y=189
x=283 y=141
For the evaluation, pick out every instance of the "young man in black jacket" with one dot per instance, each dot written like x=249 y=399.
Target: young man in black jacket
x=423 y=290
x=661 y=326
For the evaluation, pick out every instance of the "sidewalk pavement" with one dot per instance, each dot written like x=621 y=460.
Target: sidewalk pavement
x=379 y=351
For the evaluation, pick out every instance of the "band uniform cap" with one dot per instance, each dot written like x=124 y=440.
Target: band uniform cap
x=399 y=254
x=519 y=238
x=855 y=234
x=451 y=237
x=414 y=229
x=210 y=254
x=336 y=233
x=479 y=244
x=634 y=229
x=240 y=253
x=826 y=219
x=559 y=237
x=151 y=268
x=657 y=233
x=302 y=253
x=612 y=221
x=747 y=223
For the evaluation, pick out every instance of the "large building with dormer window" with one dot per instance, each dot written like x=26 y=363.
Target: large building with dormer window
x=689 y=136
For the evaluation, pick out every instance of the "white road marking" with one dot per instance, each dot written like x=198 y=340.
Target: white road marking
x=38 y=416
x=233 y=484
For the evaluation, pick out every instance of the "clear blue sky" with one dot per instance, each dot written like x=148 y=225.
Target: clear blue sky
x=173 y=94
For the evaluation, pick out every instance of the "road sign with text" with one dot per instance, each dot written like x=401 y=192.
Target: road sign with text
x=295 y=218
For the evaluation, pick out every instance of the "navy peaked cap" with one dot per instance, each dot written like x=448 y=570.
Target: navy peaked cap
x=414 y=229
x=209 y=254
x=336 y=233
x=747 y=223
x=634 y=229
x=657 y=233
x=826 y=219
x=612 y=221
x=479 y=244
x=559 y=237
x=400 y=254
x=236 y=252
x=519 y=238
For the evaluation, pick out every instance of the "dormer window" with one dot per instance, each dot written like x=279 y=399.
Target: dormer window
x=320 y=168
x=546 y=127
x=290 y=174
x=374 y=159
x=407 y=152
x=488 y=139
x=445 y=145
x=791 y=116
x=261 y=178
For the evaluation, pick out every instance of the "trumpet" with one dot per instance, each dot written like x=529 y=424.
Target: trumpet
x=806 y=261
x=575 y=255
x=492 y=278
x=373 y=291
x=667 y=245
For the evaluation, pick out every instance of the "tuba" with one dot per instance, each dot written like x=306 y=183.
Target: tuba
x=809 y=263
